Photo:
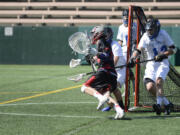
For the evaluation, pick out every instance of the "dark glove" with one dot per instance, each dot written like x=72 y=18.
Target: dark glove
x=88 y=58
x=131 y=62
x=160 y=57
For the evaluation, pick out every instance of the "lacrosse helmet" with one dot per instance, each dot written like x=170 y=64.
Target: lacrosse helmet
x=153 y=28
x=125 y=15
x=99 y=32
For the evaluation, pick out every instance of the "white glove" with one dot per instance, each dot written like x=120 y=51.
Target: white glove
x=119 y=112
x=92 y=51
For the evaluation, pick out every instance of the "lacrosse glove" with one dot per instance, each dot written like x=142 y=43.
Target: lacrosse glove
x=131 y=62
x=92 y=51
x=87 y=58
x=160 y=57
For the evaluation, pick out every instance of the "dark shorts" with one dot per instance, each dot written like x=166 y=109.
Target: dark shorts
x=102 y=81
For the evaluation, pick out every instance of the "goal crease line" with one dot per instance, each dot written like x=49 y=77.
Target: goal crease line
x=40 y=94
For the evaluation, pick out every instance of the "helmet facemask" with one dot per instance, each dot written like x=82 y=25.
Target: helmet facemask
x=125 y=20
x=125 y=15
x=152 y=28
x=99 y=32
x=96 y=33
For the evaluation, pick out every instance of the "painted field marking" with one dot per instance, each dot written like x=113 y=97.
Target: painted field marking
x=40 y=94
x=13 y=93
x=80 y=116
x=50 y=115
x=49 y=103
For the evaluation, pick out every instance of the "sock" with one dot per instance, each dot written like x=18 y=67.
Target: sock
x=165 y=101
x=133 y=82
x=97 y=95
x=116 y=107
x=121 y=104
x=159 y=100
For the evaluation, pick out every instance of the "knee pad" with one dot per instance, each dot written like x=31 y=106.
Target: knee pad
x=147 y=80
x=83 y=88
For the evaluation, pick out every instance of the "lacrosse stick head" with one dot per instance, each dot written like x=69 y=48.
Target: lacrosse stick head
x=74 y=62
x=76 y=78
x=79 y=42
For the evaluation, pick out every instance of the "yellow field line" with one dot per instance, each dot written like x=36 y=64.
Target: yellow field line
x=13 y=93
x=41 y=94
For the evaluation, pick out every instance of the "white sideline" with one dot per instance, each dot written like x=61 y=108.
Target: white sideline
x=49 y=115
x=48 y=103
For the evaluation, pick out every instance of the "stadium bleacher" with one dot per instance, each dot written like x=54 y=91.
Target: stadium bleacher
x=82 y=12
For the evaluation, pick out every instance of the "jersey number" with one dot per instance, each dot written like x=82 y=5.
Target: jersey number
x=162 y=49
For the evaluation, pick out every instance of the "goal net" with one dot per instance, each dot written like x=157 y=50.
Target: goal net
x=142 y=98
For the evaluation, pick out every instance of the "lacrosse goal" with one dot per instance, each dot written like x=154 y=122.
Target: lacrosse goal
x=142 y=98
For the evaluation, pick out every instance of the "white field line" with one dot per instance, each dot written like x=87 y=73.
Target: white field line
x=48 y=103
x=66 y=116
x=35 y=69
x=50 y=115
x=31 y=69
x=29 y=76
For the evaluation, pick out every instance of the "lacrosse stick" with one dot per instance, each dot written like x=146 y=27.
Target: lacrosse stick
x=74 y=63
x=79 y=42
x=134 y=63
x=79 y=77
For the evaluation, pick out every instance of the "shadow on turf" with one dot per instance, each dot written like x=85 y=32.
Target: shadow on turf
x=125 y=118
x=147 y=117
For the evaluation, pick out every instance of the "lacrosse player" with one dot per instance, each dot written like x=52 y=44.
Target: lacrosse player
x=118 y=60
x=122 y=38
x=103 y=82
x=157 y=44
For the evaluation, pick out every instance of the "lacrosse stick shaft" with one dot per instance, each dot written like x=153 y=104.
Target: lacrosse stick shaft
x=79 y=77
x=89 y=73
x=135 y=63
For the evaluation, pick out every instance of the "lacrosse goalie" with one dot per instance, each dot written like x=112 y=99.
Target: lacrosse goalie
x=104 y=81
x=122 y=38
x=157 y=44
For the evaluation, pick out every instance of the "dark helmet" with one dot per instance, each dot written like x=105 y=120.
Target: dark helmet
x=125 y=12
x=125 y=15
x=153 y=28
x=99 y=32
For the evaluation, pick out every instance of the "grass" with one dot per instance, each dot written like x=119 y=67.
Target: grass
x=40 y=104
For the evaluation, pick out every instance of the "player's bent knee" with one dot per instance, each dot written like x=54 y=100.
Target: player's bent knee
x=83 y=88
x=159 y=81
x=149 y=83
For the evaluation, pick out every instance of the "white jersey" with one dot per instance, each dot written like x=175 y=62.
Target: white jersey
x=157 y=45
x=117 y=51
x=121 y=72
x=154 y=47
x=123 y=35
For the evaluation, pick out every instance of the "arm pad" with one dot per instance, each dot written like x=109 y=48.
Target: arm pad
x=173 y=48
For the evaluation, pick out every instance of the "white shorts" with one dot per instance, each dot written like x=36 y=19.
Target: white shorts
x=155 y=69
x=121 y=76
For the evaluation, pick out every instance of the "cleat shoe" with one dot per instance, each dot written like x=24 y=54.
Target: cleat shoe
x=102 y=101
x=157 y=109
x=119 y=113
x=106 y=109
x=171 y=106
x=119 y=116
x=168 y=108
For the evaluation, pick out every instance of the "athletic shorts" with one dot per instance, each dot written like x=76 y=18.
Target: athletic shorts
x=154 y=70
x=121 y=76
x=102 y=81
